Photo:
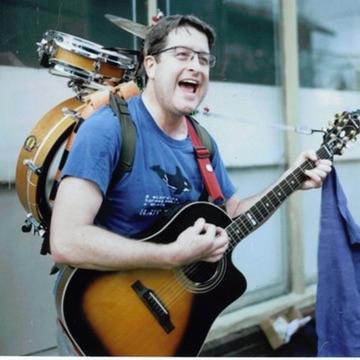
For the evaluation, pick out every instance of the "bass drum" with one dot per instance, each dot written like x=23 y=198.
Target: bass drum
x=35 y=168
x=43 y=155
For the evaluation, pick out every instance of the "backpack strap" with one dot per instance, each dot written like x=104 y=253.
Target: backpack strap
x=128 y=140
x=203 y=135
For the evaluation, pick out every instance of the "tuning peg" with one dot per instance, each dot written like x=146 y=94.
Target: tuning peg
x=352 y=132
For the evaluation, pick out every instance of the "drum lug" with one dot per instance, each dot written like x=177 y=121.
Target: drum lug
x=31 y=223
x=97 y=65
x=32 y=166
x=70 y=112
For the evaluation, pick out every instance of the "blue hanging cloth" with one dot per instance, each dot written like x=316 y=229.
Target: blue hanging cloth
x=338 y=293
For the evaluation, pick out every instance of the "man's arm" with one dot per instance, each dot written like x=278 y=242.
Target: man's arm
x=316 y=177
x=76 y=241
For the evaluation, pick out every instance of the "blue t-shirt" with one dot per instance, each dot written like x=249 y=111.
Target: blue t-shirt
x=164 y=173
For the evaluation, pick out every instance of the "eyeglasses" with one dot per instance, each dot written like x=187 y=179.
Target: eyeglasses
x=185 y=54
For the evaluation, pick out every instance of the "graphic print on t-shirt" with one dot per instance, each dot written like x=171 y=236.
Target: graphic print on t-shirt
x=176 y=182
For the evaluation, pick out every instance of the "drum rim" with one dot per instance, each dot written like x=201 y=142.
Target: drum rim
x=68 y=70
x=44 y=210
x=51 y=132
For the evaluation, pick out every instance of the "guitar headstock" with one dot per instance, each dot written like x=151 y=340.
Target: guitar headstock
x=343 y=129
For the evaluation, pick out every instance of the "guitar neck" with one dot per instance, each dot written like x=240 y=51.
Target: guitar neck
x=247 y=222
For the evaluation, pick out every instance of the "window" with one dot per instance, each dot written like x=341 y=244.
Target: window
x=329 y=65
x=329 y=44
x=246 y=37
x=25 y=21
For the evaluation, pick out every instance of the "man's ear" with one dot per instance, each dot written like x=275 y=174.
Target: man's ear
x=150 y=65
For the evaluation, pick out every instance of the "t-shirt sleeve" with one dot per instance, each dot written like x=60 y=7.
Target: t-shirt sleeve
x=226 y=185
x=96 y=149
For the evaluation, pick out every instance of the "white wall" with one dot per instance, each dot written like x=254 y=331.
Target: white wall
x=25 y=96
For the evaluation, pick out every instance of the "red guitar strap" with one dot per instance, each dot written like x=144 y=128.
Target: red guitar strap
x=206 y=169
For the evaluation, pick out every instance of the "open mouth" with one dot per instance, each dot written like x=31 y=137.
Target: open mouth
x=189 y=86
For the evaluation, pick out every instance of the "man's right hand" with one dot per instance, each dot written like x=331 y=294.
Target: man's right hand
x=200 y=242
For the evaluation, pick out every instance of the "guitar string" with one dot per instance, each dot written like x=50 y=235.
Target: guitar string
x=178 y=291
x=243 y=228
x=263 y=211
x=183 y=274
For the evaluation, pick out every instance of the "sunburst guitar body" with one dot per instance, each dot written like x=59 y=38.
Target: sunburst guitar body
x=150 y=312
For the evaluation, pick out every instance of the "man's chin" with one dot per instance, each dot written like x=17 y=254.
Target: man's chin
x=188 y=108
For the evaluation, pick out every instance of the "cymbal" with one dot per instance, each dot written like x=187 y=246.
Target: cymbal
x=132 y=27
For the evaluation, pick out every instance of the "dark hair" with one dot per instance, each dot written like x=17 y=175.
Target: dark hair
x=156 y=37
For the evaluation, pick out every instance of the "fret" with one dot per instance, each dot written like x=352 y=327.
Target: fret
x=252 y=218
x=293 y=181
x=260 y=211
x=243 y=225
x=247 y=223
x=238 y=231
x=275 y=200
x=267 y=204
x=324 y=153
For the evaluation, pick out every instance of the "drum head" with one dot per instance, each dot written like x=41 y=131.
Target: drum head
x=40 y=156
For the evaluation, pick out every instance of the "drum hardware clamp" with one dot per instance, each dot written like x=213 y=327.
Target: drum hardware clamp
x=70 y=112
x=97 y=64
x=30 y=223
x=76 y=86
x=32 y=166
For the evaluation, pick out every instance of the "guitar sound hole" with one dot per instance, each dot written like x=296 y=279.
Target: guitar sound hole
x=200 y=272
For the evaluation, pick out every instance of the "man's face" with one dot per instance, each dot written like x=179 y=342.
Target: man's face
x=180 y=85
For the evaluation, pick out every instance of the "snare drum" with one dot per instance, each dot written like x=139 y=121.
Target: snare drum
x=83 y=60
x=39 y=158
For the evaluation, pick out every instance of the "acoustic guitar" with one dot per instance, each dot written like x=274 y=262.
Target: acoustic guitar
x=169 y=312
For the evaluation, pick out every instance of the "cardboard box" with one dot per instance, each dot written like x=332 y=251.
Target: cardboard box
x=276 y=325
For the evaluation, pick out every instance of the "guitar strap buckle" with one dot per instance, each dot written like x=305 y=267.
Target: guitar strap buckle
x=201 y=152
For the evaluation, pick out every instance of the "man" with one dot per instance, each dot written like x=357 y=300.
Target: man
x=94 y=222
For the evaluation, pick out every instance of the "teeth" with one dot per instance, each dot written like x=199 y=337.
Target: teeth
x=193 y=82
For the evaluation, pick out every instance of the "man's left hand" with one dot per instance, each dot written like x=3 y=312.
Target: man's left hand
x=317 y=175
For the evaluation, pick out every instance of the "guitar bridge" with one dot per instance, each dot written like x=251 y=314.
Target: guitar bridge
x=153 y=303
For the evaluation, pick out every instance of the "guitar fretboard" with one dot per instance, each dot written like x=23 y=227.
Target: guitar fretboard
x=247 y=222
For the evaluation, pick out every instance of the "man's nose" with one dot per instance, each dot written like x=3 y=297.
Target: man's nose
x=194 y=62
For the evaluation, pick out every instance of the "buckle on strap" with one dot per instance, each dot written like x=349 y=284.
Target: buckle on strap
x=202 y=152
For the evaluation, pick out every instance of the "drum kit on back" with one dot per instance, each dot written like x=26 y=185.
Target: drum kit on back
x=90 y=68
